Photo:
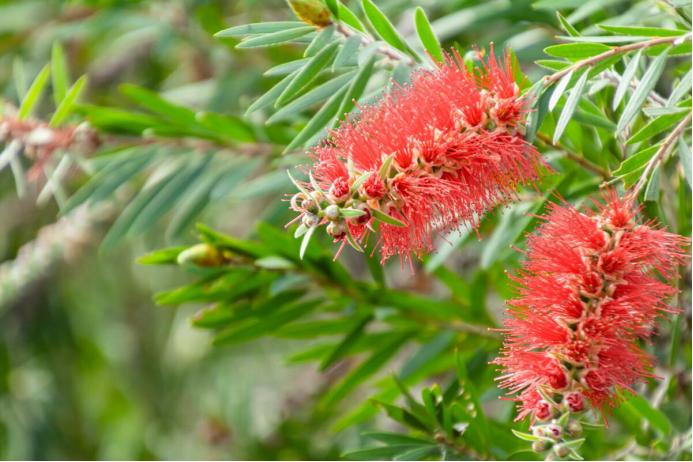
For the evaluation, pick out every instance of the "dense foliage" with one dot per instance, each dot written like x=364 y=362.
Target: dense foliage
x=475 y=142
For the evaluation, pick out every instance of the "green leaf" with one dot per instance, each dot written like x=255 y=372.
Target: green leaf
x=569 y=108
x=652 y=190
x=385 y=218
x=526 y=436
x=428 y=38
x=275 y=38
x=559 y=90
x=576 y=51
x=629 y=170
x=356 y=88
x=384 y=28
x=656 y=418
x=320 y=41
x=122 y=224
x=167 y=197
x=682 y=89
x=67 y=102
x=166 y=256
x=307 y=74
x=306 y=240
x=274 y=262
x=642 y=31
x=392 y=439
x=319 y=120
x=382 y=453
x=226 y=126
x=626 y=79
x=570 y=30
x=647 y=83
x=33 y=94
x=656 y=126
x=370 y=366
x=272 y=94
x=314 y=96
x=418 y=453
x=343 y=347
x=60 y=76
x=349 y=18
x=286 y=68
x=265 y=325
x=348 y=53
x=260 y=28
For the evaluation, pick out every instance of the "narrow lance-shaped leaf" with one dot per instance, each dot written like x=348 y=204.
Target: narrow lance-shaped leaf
x=319 y=120
x=649 y=80
x=275 y=38
x=314 y=96
x=59 y=73
x=348 y=53
x=356 y=88
x=307 y=74
x=33 y=95
x=67 y=102
x=259 y=28
x=559 y=90
x=384 y=28
x=427 y=36
x=569 y=108
x=626 y=79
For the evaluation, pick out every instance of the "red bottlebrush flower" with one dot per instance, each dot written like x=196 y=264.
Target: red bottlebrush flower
x=590 y=287
x=431 y=156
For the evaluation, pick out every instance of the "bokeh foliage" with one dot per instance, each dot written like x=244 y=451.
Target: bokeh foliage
x=262 y=354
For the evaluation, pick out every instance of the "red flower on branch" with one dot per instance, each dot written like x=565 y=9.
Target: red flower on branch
x=427 y=158
x=590 y=287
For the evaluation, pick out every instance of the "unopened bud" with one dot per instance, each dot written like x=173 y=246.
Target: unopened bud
x=336 y=230
x=539 y=446
x=574 y=428
x=561 y=450
x=201 y=255
x=332 y=212
x=575 y=401
x=310 y=220
x=554 y=431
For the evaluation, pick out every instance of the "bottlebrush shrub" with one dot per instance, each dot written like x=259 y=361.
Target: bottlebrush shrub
x=590 y=288
x=427 y=158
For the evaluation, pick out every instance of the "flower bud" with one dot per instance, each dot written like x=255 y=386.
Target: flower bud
x=554 y=431
x=332 y=212
x=539 y=446
x=561 y=450
x=543 y=410
x=373 y=187
x=201 y=255
x=310 y=220
x=575 y=401
x=336 y=230
x=574 y=428
x=366 y=217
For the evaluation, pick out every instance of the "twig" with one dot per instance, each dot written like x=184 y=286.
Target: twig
x=555 y=77
x=661 y=152
x=384 y=50
x=594 y=168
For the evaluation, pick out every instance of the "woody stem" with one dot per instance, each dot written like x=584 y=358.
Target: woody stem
x=661 y=153
x=555 y=77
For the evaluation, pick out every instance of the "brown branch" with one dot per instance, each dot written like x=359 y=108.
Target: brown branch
x=661 y=152
x=555 y=77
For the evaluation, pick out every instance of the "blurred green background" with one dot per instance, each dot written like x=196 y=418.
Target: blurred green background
x=90 y=368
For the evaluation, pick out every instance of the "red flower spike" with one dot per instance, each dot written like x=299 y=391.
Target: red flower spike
x=438 y=153
x=590 y=287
